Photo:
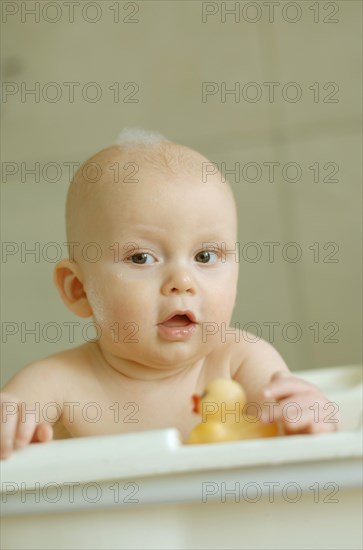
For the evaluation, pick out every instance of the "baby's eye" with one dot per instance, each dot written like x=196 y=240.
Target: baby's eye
x=207 y=257
x=141 y=258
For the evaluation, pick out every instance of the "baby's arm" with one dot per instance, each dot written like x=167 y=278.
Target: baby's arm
x=25 y=399
x=299 y=405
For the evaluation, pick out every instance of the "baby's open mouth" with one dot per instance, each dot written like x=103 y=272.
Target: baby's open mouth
x=178 y=321
x=179 y=326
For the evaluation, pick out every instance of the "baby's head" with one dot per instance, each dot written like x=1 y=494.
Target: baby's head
x=157 y=233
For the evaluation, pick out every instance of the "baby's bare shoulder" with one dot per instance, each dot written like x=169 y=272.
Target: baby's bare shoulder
x=228 y=355
x=247 y=347
x=254 y=361
x=46 y=378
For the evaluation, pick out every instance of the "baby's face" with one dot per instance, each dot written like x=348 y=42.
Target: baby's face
x=155 y=261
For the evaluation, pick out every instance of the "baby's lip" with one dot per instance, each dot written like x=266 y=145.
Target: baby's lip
x=187 y=313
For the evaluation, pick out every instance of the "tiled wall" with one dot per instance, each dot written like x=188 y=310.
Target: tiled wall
x=169 y=51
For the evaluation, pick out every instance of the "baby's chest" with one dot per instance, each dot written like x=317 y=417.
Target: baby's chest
x=103 y=408
x=124 y=412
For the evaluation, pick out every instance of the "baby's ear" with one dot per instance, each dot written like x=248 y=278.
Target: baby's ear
x=68 y=281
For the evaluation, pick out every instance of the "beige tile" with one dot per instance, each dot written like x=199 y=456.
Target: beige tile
x=329 y=276
x=169 y=53
x=33 y=219
x=313 y=54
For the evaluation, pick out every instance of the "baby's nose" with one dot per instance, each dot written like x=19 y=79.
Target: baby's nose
x=178 y=280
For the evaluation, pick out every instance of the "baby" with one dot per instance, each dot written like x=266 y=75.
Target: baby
x=152 y=260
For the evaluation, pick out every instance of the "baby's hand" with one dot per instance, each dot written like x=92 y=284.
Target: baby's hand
x=301 y=407
x=15 y=431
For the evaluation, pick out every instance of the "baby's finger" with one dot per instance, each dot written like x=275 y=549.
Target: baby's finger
x=303 y=415
x=43 y=433
x=9 y=423
x=285 y=386
x=289 y=409
x=25 y=431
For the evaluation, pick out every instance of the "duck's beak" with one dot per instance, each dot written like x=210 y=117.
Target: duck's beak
x=196 y=401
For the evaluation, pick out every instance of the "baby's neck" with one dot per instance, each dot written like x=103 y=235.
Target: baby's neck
x=117 y=366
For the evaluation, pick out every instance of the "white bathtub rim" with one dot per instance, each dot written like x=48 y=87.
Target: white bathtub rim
x=122 y=456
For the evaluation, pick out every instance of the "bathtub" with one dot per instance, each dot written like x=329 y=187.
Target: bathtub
x=149 y=491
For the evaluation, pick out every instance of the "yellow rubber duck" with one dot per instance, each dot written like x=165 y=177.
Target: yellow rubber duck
x=223 y=415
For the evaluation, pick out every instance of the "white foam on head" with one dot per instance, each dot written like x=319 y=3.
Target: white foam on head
x=138 y=136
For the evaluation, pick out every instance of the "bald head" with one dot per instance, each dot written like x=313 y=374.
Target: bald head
x=125 y=168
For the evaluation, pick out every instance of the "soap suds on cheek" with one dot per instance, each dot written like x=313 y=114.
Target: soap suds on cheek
x=106 y=301
x=98 y=308
x=96 y=300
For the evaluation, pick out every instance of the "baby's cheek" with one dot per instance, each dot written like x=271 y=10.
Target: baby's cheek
x=224 y=300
